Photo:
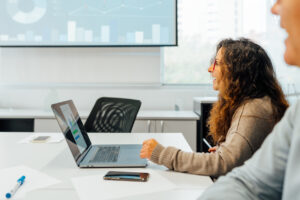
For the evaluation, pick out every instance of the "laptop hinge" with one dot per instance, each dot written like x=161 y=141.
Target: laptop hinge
x=81 y=157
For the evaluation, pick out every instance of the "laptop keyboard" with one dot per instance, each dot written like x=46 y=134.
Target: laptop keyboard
x=106 y=154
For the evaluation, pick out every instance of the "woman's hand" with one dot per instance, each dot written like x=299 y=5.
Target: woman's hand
x=213 y=149
x=148 y=147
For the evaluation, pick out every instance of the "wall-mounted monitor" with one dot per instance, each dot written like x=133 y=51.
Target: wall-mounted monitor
x=33 y=23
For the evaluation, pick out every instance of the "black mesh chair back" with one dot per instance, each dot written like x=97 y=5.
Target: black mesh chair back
x=112 y=115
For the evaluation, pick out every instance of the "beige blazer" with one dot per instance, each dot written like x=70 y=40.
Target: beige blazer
x=250 y=125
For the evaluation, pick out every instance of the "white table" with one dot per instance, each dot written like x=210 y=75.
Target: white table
x=56 y=160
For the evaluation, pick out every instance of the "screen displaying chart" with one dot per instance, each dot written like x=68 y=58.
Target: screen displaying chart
x=88 y=22
x=73 y=127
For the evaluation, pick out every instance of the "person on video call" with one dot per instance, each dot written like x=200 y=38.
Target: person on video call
x=274 y=170
x=250 y=103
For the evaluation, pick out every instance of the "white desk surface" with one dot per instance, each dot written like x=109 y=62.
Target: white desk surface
x=147 y=114
x=56 y=160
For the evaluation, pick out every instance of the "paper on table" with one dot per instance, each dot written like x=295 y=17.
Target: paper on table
x=94 y=187
x=54 y=137
x=34 y=180
x=174 y=194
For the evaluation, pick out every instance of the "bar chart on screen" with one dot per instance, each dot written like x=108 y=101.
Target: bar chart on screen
x=88 y=22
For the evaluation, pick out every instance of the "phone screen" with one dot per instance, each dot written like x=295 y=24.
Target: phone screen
x=40 y=139
x=126 y=176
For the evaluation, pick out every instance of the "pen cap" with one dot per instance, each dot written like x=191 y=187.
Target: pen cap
x=21 y=180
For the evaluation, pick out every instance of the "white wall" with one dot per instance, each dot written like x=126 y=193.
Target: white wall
x=37 y=77
x=80 y=65
x=153 y=98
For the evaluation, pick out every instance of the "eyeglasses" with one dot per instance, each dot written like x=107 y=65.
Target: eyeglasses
x=215 y=61
x=213 y=65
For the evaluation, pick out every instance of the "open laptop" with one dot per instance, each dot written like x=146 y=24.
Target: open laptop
x=86 y=154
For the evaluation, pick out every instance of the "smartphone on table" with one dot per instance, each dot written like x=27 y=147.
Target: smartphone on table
x=40 y=139
x=126 y=176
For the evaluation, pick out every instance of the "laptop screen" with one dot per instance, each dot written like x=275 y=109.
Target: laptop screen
x=72 y=127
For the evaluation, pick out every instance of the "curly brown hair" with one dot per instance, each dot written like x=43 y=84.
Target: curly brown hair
x=248 y=74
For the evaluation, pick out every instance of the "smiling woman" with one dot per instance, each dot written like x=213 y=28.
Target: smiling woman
x=215 y=69
x=243 y=72
x=250 y=103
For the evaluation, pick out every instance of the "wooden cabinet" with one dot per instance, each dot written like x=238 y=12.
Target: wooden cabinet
x=46 y=125
x=143 y=126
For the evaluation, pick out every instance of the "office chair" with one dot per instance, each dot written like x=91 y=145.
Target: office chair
x=112 y=115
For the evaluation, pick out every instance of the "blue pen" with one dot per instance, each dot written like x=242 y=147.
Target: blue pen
x=20 y=182
x=207 y=144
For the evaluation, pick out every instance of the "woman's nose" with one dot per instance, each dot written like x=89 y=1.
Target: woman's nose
x=276 y=8
x=210 y=69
